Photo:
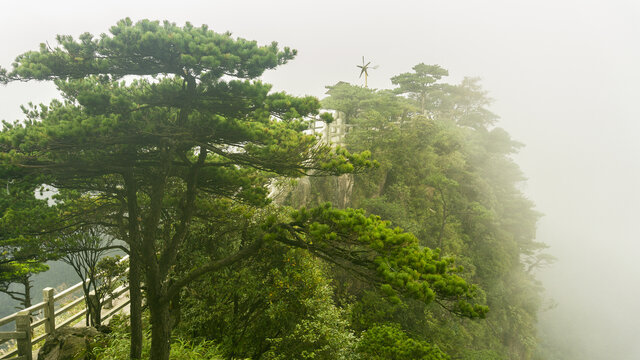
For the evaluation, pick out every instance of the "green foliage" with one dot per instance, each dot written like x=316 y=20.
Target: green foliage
x=155 y=154
x=18 y=273
x=176 y=161
x=353 y=101
x=117 y=346
x=387 y=254
x=156 y=47
x=23 y=215
x=419 y=85
x=22 y=246
x=321 y=334
x=279 y=306
x=445 y=175
x=387 y=342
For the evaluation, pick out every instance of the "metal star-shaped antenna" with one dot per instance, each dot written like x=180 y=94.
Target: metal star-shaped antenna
x=364 y=69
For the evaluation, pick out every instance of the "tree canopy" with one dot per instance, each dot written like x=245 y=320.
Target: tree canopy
x=445 y=175
x=161 y=128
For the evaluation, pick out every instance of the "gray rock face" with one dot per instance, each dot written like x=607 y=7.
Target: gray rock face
x=70 y=343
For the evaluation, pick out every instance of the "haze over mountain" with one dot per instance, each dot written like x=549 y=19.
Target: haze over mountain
x=563 y=75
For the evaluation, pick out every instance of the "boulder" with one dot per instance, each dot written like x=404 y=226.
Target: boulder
x=71 y=343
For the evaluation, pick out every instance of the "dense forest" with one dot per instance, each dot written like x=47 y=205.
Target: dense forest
x=249 y=234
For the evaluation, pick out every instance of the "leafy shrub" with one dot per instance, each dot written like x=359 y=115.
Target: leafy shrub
x=181 y=349
x=389 y=342
x=321 y=334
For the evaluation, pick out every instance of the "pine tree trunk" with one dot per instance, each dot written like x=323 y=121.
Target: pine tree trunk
x=26 y=282
x=135 y=307
x=135 y=267
x=160 y=326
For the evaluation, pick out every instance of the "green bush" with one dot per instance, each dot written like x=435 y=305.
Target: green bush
x=388 y=342
x=280 y=306
x=118 y=347
x=321 y=334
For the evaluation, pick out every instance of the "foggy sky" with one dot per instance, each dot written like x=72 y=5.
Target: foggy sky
x=564 y=76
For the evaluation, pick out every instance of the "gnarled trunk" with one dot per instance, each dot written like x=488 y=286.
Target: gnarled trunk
x=135 y=263
x=160 y=323
x=135 y=307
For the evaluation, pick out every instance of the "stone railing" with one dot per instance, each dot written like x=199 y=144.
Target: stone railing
x=30 y=329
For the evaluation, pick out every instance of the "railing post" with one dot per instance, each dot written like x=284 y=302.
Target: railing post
x=108 y=302
x=49 y=310
x=23 y=324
